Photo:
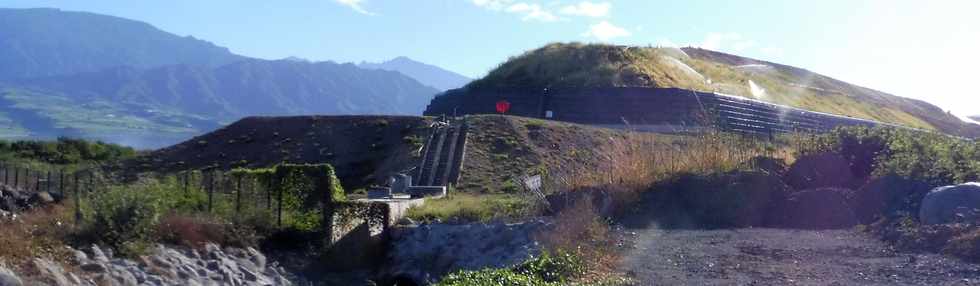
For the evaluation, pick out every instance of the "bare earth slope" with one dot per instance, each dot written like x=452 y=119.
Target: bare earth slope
x=784 y=257
x=364 y=149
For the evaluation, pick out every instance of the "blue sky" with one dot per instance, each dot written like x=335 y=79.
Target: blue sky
x=920 y=49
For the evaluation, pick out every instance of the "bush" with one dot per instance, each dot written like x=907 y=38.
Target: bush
x=545 y=270
x=734 y=199
x=929 y=157
x=464 y=207
x=966 y=246
x=120 y=218
x=64 y=151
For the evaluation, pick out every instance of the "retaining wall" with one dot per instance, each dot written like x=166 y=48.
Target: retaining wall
x=643 y=106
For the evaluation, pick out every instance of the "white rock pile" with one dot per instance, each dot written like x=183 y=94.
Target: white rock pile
x=165 y=266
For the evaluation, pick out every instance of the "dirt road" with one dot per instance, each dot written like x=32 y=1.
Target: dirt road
x=784 y=257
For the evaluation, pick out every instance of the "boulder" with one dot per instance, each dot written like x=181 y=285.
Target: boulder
x=951 y=204
x=888 y=195
x=42 y=199
x=822 y=208
x=51 y=273
x=734 y=199
x=818 y=171
x=8 y=278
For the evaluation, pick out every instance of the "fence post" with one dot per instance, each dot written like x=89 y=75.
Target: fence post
x=210 y=191
x=16 y=176
x=37 y=181
x=268 y=193
x=238 y=194
x=47 y=184
x=61 y=182
x=5 y=173
x=78 y=202
x=279 y=208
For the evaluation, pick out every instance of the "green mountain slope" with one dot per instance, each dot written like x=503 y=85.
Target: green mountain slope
x=45 y=42
x=180 y=101
x=582 y=66
x=102 y=77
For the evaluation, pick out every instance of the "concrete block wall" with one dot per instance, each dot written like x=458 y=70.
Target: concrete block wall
x=644 y=106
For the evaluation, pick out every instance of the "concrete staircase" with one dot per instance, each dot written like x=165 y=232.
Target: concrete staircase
x=442 y=156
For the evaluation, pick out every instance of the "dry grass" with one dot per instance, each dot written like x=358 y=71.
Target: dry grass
x=628 y=166
x=41 y=232
x=580 y=230
x=965 y=246
x=631 y=164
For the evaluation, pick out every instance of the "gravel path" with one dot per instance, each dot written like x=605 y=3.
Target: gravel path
x=784 y=257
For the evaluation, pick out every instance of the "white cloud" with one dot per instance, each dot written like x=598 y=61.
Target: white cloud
x=492 y=4
x=587 y=9
x=724 y=41
x=356 y=5
x=604 y=31
x=532 y=12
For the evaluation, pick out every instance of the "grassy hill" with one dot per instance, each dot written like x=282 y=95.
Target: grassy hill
x=576 y=65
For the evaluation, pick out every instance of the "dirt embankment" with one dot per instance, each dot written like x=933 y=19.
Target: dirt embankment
x=363 y=149
x=500 y=149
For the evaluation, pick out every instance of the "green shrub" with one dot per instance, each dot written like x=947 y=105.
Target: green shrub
x=930 y=157
x=121 y=218
x=64 y=151
x=471 y=208
x=544 y=270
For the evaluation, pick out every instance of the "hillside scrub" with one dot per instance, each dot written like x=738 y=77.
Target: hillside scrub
x=129 y=218
x=930 y=157
x=64 y=151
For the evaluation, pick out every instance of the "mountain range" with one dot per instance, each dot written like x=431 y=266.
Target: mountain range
x=427 y=74
x=88 y=75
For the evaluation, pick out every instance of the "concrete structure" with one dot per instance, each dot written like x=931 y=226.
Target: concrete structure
x=647 y=109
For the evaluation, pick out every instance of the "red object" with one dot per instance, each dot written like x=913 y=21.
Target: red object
x=503 y=106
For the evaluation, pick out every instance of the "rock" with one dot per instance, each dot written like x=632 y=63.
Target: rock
x=94 y=267
x=734 y=199
x=822 y=208
x=98 y=255
x=406 y=221
x=428 y=252
x=8 y=278
x=50 y=272
x=888 y=195
x=950 y=204
x=42 y=199
x=80 y=257
x=256 y=257
x=818 y=171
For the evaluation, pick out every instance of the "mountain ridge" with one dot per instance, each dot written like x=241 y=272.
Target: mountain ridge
x=34 y=41
x=427 y=74
x=164 y=88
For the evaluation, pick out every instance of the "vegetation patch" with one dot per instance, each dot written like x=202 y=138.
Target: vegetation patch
x=467 y=207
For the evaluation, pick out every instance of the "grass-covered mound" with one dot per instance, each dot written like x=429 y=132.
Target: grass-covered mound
x=563 y=66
